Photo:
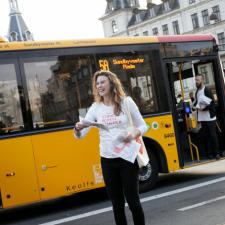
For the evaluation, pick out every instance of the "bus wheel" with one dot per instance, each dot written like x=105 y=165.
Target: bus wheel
x=148 y=175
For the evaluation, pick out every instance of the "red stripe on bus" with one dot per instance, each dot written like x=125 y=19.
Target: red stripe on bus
x=190 y=37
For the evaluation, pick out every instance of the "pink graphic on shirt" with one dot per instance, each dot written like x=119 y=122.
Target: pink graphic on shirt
x=110 y=119
x=138 y=140
x=119 y=150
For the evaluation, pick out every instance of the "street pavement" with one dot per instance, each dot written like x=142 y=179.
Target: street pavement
x=194 y=196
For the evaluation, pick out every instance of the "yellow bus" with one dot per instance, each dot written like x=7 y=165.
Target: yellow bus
x=45 y=86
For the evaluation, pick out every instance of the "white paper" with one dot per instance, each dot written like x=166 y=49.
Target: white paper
x=203 y=101
x=127 y=151
x=94 y=124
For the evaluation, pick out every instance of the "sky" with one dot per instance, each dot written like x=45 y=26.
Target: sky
x=60 y=20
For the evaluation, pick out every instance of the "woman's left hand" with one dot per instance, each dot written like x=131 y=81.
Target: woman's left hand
x=128 y=138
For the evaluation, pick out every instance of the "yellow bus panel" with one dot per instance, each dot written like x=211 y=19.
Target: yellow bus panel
x=18 y=178
x=162 y=130
x=66 y=165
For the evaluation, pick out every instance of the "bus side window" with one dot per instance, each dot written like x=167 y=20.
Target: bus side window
x=59 y=89
x=11 y=120
x=136 y=71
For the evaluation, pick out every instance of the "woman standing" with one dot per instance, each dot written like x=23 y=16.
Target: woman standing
x=120 y=176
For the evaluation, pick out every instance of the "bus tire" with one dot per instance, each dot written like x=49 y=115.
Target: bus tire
x=148 y=175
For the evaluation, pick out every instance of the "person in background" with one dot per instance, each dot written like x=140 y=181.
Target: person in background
x=207 y=116
x=143 y=105
x=120 y=176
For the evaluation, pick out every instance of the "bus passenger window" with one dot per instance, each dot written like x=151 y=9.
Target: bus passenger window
x=136 y=73
x=59 y=89
x=11 y=120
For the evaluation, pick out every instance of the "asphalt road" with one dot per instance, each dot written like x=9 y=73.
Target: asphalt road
x=194 y=196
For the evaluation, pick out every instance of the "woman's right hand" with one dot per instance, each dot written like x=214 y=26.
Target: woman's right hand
x=80 y=126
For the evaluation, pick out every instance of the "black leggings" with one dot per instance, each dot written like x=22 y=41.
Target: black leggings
x=121 y=177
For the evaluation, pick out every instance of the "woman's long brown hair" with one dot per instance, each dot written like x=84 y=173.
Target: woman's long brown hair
x=116 y=89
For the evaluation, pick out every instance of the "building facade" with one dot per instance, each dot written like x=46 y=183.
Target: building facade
x=124 y=18
x=18 y=30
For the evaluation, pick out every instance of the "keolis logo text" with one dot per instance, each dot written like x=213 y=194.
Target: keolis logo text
x=79 y=186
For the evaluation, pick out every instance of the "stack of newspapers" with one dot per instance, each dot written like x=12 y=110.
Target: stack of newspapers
x=203 y=101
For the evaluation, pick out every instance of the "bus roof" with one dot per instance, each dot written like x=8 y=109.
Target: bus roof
x=3 y=39
x=9 y=46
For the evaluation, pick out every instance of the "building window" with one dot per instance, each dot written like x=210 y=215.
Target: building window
x=223 y=64
x=205 y=72
x=194 y=18
x=11 y=4
x=191 y=1
x=85 y=71
x=151 y=12
x=13 y=36
x=2 y=101
x=176 y=85
x=145 y=88
x=114 y=26
x=66 y=82
x=165 y=29
x=132 y=2
x=57 y=82
x=176 y=27
x=221 y=40
x=212 y=73
x=138 y=17
x=110 y=6
x=185 y=83
x=28 y=36
x=166 y=6
x=155 y=31
x=145 y=33
x=216 y=10
x=73 y=80
x=205 y=17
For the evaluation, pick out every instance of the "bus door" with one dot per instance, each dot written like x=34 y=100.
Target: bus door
x=182 y=82
x=18 y=180
x=59 y=90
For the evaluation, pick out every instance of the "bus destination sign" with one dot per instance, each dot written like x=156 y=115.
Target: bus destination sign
x=127 y=64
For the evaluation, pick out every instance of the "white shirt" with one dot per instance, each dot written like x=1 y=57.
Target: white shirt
x=116 y=124
x=204 y=115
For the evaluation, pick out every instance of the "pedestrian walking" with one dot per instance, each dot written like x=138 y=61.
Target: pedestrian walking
x=207 y=116
x=120 y=176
